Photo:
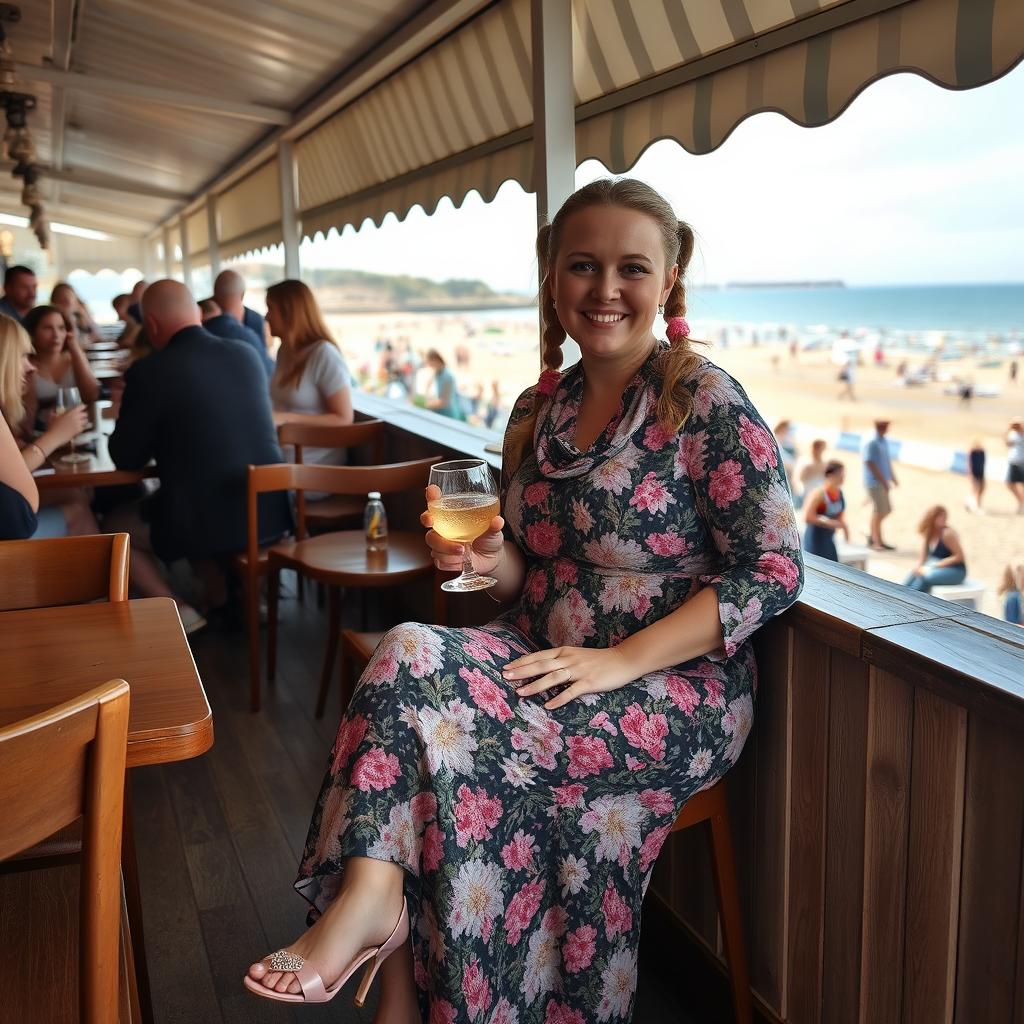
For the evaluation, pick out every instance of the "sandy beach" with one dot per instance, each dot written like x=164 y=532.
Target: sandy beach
x=804 y=389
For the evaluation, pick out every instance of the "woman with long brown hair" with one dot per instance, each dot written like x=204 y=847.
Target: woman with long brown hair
x=311 y=383
x=497 y=797
x=57 y=356
x=942 y=562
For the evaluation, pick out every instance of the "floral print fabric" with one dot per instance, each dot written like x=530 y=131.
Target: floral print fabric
x=528 y=836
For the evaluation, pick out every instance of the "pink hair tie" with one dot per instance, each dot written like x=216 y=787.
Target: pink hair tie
x=547 y=383
x=678 y=329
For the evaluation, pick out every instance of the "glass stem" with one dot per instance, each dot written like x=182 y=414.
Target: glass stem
x=468 y=572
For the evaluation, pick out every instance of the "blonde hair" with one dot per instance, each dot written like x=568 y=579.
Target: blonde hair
x=15 y=344
x=674 y=365
x=306 y=328
x=1013 y=578
x=927 y=523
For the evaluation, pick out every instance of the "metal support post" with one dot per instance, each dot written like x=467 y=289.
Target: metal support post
x=290 y=229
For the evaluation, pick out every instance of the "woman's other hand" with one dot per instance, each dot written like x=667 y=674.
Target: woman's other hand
x=486 y=552
x=67 y=425
x=579 y=670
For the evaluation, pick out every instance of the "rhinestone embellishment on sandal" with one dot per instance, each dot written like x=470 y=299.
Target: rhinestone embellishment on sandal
x=282 y=960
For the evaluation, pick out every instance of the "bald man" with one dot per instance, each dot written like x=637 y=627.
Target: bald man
x=228 y=292
x=199 y=406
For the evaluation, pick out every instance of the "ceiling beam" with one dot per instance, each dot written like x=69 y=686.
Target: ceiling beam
x=96 y=179
x=82 y=216
x=63 y=35
x=136 y=91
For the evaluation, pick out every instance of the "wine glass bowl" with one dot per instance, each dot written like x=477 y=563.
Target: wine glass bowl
x=70 y=398
x=463 y=512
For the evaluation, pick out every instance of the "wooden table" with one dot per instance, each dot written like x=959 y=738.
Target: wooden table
x=49 y=655
x=52 y=654
x=99 y=471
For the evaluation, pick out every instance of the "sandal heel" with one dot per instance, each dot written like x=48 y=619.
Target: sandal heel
x=368 y=975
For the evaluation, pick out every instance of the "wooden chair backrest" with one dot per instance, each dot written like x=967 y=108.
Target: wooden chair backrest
x=63 y=570
x=65 y=763
x=390 y=478
x=352 y=435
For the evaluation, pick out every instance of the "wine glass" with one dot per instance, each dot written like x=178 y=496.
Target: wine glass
x=69 y=398
x=468 y=503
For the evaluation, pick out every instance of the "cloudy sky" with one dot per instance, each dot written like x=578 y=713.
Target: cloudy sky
x=912 y=184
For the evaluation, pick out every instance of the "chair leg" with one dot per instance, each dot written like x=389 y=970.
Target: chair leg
x=273 y=593
x=724 y=866
x=252 y=614
x=319 y=596
x=331 y=653
x=300 y=587
x=133 y=906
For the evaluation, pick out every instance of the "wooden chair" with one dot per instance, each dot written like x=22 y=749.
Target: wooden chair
x=339 y=511
x=338 y=559
x=63 y=570
x=712 y=806
x=55 y=767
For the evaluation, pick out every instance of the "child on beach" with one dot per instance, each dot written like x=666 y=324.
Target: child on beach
x=1010 y=591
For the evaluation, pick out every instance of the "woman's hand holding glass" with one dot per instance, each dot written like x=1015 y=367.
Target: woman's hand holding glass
x=66 y=426
x=485 y=552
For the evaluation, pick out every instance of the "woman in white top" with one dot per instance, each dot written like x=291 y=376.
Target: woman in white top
x=311 y=383
x=58 y=358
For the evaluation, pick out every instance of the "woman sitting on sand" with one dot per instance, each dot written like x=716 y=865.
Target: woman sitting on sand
x=824 y=513
x=1010 y=591
x=497 y=797
x=942 y=561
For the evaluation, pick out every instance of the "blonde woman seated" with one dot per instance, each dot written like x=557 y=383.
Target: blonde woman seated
x=57 y=357
x=942 y=562
x=66 y=299
x=311 y=383
x=60 y=512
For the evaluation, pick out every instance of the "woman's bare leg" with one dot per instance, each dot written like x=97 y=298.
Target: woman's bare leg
x=363 y=914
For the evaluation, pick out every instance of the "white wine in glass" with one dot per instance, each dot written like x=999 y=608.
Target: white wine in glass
x=463 y=512
x=70 y=398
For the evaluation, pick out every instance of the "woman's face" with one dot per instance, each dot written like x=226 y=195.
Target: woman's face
x=50 y=334
x=608 y=278
x=837 y=478
x=274 y=319
x=64 y=299
x=940 y=521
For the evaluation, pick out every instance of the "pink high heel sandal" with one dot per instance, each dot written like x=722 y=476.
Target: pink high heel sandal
x=312 y=985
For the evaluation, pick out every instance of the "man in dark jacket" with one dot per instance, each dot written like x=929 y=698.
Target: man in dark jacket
x=216 y=321
x=228 y=293
x=199 y=406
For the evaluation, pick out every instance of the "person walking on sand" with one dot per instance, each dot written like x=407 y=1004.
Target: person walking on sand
x=812 y=471
x=847 y=375
x=879 y=479
x=497 y=796
x=942 y=561
x=1015 y=467
x=976 y=474
x=824 y=514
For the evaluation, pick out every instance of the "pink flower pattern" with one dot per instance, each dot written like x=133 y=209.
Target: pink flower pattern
x=531 y=832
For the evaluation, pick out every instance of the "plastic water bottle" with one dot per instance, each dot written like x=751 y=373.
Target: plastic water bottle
x=375 y=523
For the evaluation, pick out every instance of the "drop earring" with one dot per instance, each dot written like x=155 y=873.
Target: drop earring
x=661 y=309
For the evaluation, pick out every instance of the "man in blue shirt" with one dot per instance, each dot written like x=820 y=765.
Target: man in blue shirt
x=19 y=292
x=216 y=321
x=879 y=479
x=228 y=291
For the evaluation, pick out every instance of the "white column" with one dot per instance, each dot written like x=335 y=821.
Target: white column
x=213 y=248
x=186 y=255
x=290 y=230
x=168 y=253
x=148 y=263
x=554 y=117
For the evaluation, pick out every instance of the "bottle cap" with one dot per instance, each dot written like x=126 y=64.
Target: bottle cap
x=374 y=495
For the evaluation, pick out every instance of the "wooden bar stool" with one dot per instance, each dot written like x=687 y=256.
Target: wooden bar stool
x=712 y=806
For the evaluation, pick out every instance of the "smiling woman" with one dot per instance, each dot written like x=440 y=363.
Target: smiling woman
x=508 y=786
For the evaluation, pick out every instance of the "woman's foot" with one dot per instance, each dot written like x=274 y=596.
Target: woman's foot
x=363 y=915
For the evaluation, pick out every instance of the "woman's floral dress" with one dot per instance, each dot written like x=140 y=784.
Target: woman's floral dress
x=528 y=836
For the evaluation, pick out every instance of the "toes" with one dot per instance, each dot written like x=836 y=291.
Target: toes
x=257 y=970
x=284 y=981
x=271 y=978
x=295 y=988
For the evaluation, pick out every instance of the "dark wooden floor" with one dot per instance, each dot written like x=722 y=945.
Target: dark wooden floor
x=219 y=839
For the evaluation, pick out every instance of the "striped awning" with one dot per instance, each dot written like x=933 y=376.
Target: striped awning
x=93 y=255
x=197 y=230
x=249 y=213
x=459 y=116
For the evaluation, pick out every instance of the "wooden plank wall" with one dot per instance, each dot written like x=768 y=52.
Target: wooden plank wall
x=878 y=816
